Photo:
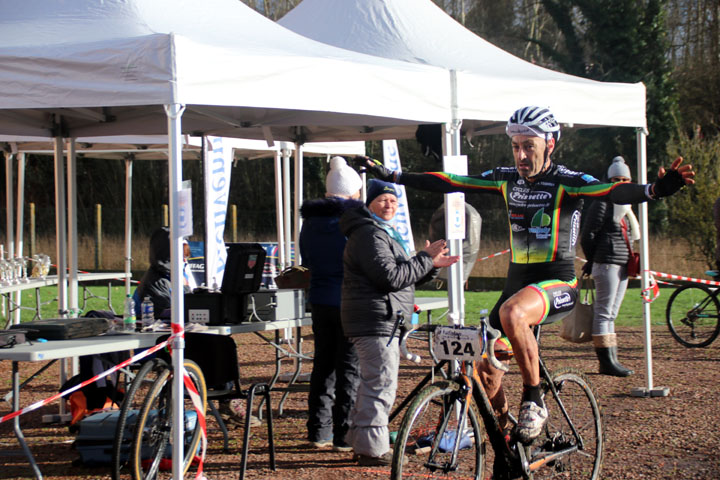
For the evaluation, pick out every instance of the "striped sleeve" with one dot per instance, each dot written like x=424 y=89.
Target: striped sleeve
x=620 y=193
x=447 y=182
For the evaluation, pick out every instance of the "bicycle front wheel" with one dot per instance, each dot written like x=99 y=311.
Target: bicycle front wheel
x=692 y=316
x=558 y=453
x=127 y=418
x=152 y=446
x=428 y=432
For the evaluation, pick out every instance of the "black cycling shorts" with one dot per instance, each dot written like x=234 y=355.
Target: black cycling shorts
x=558 y=298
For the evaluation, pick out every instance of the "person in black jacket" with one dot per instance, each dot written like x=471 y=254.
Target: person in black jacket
x=334 y=377
x=379 y=281
x=606 y=236
x=156 y=281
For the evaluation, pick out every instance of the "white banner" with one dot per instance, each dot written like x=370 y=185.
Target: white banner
x=391 y=158
x=218 y=162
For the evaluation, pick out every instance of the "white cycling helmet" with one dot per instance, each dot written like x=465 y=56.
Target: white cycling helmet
x=533 y=121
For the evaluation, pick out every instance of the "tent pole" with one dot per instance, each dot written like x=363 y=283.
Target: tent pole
x=73 y=306
x=60 y=226
x=287 y=241
x=650 y=390
x=61 y=249
x=9 y=237
x=280 y=226
x=451 y=146
x=19 y=222
x=174 y=113
x=128 y=221
x=298 y=200
x=9 y=207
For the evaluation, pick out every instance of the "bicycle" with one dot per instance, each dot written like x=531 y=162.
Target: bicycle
x=692 y=314
x=135 y=396
x=142 y=442
x=448 y=424
x=151 y=452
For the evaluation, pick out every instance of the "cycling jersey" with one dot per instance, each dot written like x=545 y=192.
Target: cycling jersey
x=543 y=215
x=544 y=220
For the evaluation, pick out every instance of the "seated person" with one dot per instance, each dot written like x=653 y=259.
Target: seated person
x=156 y=281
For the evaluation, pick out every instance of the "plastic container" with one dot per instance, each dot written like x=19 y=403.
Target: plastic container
x=129 y=320
x=147 y=309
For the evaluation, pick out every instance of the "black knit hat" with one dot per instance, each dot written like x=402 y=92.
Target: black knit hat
x=378 y=187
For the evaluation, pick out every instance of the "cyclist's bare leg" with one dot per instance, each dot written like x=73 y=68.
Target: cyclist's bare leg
x=518 y=315
x=491 y=379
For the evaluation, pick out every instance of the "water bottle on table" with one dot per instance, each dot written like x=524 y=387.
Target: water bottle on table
x=129 y=321
x=148 y=312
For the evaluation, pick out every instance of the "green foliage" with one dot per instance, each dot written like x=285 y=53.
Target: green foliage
x=617 y=41
x=691 y=208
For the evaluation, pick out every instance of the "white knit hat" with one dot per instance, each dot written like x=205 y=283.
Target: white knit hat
x=619 y=168
x=341 y=179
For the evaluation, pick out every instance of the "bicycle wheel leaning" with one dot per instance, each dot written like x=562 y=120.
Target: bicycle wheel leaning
x=692 y=316
x=129 y=410
x=152 y=446
x=578 y=398
x=427 y=435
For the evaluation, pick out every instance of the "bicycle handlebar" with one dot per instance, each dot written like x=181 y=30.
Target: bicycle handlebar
x=405 y=333
x=493 y=335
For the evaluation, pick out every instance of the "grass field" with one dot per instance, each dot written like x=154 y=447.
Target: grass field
x=475 y=302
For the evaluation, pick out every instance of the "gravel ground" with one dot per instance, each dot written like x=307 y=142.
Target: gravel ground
x=673 y=437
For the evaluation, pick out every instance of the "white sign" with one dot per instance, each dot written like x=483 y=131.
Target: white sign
x=450 y=343
x=455 y=216
x=391 y=159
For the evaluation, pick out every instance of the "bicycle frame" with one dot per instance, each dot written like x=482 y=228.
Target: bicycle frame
x=513 y=454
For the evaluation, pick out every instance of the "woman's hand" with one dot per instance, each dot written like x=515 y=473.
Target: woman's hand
x=437 y=250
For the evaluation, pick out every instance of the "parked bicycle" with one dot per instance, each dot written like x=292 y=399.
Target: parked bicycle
x=143 y=434
x=692 y=314
x=448 y=424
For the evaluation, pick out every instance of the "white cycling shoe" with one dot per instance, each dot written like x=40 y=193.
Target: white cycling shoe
x=531 y=421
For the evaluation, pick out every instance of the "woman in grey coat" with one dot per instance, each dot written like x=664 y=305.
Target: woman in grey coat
x=379 y=281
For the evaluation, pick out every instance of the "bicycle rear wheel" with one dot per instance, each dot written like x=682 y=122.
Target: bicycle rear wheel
x=152 y=446
x=692 y=316
x=427 y=434
x=127 y=418
x=578 y=398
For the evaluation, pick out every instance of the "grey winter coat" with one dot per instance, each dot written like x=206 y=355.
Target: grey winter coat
x=379 y=277
x=601 y=236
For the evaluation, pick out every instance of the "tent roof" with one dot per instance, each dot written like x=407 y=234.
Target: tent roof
x=491 y=82
x=109 y=67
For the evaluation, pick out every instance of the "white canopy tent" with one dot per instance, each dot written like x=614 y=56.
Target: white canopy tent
x=488 y=84
x=143 y=148
x=77 y=68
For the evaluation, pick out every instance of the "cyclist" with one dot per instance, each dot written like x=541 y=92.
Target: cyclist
x=543 y=204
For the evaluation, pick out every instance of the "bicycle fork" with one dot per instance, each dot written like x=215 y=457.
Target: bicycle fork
x=461 y=411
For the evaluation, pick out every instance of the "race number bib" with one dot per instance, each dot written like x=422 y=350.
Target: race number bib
x=457 y=343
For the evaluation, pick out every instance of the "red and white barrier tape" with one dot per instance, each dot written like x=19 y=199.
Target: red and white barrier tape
x=687 y=279
x=117 y=367
x=494 y=255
